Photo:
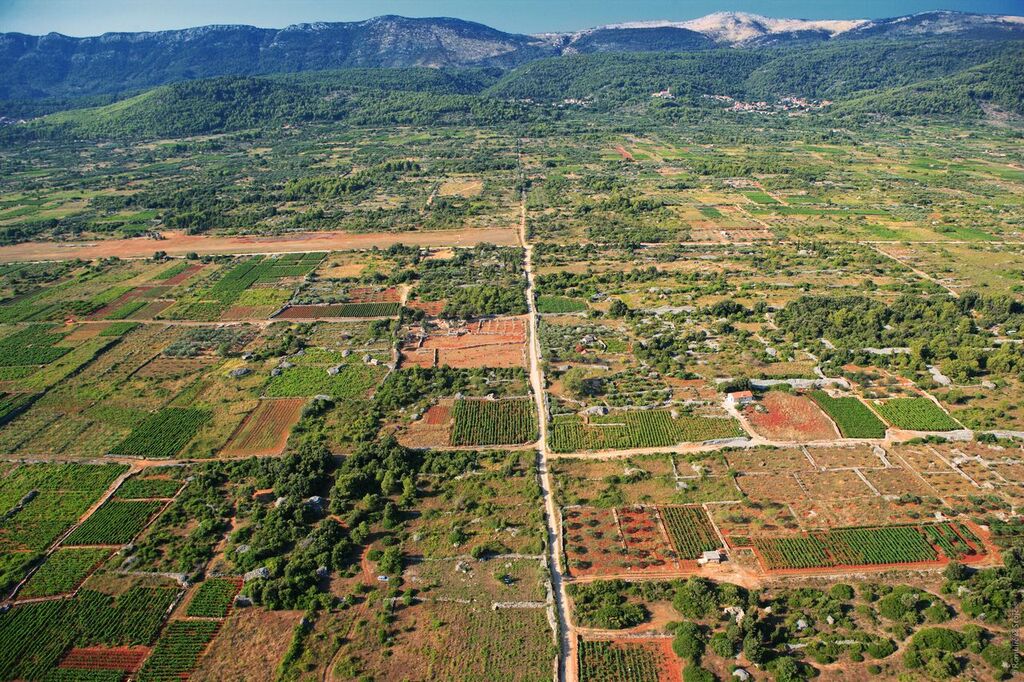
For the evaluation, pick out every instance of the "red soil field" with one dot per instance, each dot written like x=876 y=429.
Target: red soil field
x=620 y=542
x=265 y=431
x=437 y=415
x=626 y=155
x=371 y=295
x=791 y=418
x=127 y=658
x=178 y=243
x=497 y=342
x=670 y=668
x=431 y=308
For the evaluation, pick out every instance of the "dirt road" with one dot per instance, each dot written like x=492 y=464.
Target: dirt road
x=566 y=669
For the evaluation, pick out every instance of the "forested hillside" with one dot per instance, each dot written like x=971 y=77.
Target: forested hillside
x=890 y=78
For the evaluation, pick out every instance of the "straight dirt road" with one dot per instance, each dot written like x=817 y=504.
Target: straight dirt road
x=566 y=670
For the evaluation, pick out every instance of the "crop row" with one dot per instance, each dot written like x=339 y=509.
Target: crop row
x=494 y=422
x=178 y=650
x=163 y=433
x=136 y=488
x=847 y=547
x=636 y=429
x=601 y=661
x=916 y=414
x=34 y=637
x=213 y=598
x=690 y=530
x=115 y=523
x=62 y=572
x=33 y=345
x=42 y=500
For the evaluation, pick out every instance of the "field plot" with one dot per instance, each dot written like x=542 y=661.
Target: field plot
x=249 y=647
x=164 y=433
x=162 y=367
x=100 y=663
x=643 y=428
x=353 y=379
x=35 y=637
x=494 y=422
x=495 y=580
x=147 y=488
x=884 y=546
x=690 y=530
x=339 y=310
x=115 y=523
x=45 y=499
x=768 y=460
x=266 y=429
x=844 y=456
x=617 y=542
x=916 y=414
x=628 y=661
x=494 y=342
x=842 y=484
x=469 y=642
x=854 y=418
x=62 y=572
x=433 y=429
x=636 y=429
x=214 y=597
x=483 y=511
x=791 y=418
x=178 y=650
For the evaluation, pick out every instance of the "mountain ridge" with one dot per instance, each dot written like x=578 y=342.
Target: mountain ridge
x=55 y=65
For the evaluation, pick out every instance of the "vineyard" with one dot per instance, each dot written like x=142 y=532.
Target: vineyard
x=62 y=572
x=136 y=488
x=213 y=598
x=163 y=434
x=636 y=429
x=867 y=546
x=115 y=523
x=13 y=404
x=690 y=530
x=854 y=418
x=35 y=636
x=560 y=304
x=603 y=661
x=43 y=500
x=178 y=650
x=916 y=414
x=33 y=345
x=367 y=309
x=494 y=422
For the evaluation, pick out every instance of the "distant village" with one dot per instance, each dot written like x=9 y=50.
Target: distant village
x=791 y=105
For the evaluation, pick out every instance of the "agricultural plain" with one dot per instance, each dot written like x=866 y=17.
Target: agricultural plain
x=512 y=404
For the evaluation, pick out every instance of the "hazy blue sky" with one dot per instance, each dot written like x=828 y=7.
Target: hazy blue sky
x=92 y=17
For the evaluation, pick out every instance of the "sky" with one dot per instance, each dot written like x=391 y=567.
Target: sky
x=92 y=17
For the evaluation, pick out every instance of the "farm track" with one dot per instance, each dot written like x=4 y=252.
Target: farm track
x=566 y=668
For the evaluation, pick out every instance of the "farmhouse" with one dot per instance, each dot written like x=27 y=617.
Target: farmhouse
x=739 y=398
x=710 y=557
